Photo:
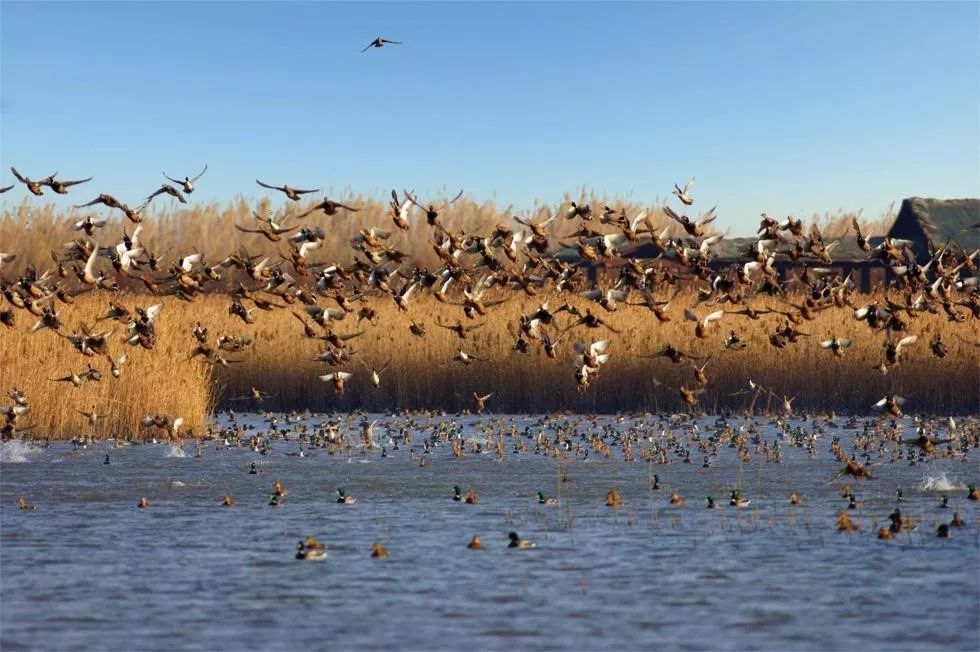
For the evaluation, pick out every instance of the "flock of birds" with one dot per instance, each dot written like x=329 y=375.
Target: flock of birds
x=512 y=259
x=860 y=446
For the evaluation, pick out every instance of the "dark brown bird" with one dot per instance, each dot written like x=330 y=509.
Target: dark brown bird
x=168 y=190
x=61 y=187
x=379 y=42
x=33 y=186
x=292 y=193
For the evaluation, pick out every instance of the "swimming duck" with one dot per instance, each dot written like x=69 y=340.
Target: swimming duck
x=943 y=531
x=676 y=499
x=956 y=521
x=278 y=489
x=845 y=524
x=143 y=502
x=543 y=500
x=884 y=534
x=311 y=549
x=613 y=499
x=275 y=500
x=852 y=502
x=898 y=495
x=795 y=500
x=106 y=460
x=344 y=499
x=227 y=501
x=378 y=551
x=476 y=543
x=470 y=497
x=944 y=503
x=737 y=500
x=24 y=505
x=518 y=542
x=711 y=503
x=656 y=483
x=974 y=493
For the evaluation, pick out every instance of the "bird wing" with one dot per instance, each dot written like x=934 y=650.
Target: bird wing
x=201 y=174
x=265 y=185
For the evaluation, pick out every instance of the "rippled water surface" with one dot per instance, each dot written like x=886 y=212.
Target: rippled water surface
x=88 y=569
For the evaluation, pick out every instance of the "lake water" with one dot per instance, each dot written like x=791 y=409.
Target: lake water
x=89 y=570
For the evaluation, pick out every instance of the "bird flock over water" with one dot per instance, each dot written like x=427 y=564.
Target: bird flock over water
x=477 y=273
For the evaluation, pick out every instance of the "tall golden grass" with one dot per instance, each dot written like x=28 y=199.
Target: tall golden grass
x=280 y=362
x=421 y=376
x=34 y=230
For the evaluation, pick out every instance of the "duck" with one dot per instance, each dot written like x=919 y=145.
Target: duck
x=476 y=543
x=517 y=542
x=676 y=499
x=956 y=521
x=974 y=492
x=227 y=501
x=845 y=524
x=613 y=499
x=279 y=489
x=292 y=193
x=794 y=499
x=143 y=502
x=275 y=500
x=377 y=43
x=656 y=483
x=543 y=500
x=884 y=534
x=378 y=551
x=943 y=531
x=470 y=497
x=737 y=500
x=711 y=503
x=187 y=185
x=344 y=499
x=24 y=505
x=944 y=502
x=311 y=549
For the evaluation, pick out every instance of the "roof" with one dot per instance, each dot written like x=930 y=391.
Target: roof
x=940 y=220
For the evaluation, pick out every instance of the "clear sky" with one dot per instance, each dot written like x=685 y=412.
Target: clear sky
x=788 y=108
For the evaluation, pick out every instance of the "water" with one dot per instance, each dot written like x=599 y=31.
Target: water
x=88 y=569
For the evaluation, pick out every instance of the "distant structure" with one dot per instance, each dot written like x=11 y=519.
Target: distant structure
x=937 y=221
x=924 y=222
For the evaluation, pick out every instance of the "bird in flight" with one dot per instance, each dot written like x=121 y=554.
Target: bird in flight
x=379 y=42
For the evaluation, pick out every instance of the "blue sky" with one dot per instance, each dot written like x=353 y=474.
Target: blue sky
x=788 y=108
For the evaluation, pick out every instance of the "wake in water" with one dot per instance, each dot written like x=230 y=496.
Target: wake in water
x=175 y=451
x=17 y=452
x=939 y=483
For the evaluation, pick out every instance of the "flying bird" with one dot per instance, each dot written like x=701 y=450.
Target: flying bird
x=379 y=42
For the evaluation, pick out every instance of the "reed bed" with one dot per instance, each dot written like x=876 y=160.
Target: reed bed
x=34 y=230
x=421 y=375
x=281 y=361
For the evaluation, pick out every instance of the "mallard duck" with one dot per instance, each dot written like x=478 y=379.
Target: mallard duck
x=737 y=500
x=974 y=493
x=956 y=521
x=24 y=505
x=884 y=533
x=143 y=502
x=292 y=193
x=227 y=501
x=711 y=503
x=795 y=499
x=543 y=500
x=470 y=497
x=188 y=183
x=517 y=542
x=279 y=489
x=676 y=499
x=275 y=500
x=613 y=499
x=457 y=493
x=476 y=543
x=943 y=531
x=311 y=549
x=378 y=551
x=344 y=499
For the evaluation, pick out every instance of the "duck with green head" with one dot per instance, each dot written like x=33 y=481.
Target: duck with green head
x=544 y=500
x=344 y=499
x=457 y=494
x=517 y=542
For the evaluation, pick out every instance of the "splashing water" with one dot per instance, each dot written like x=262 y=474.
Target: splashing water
x=175 y=451
x=939 y=483
x=16 y=452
